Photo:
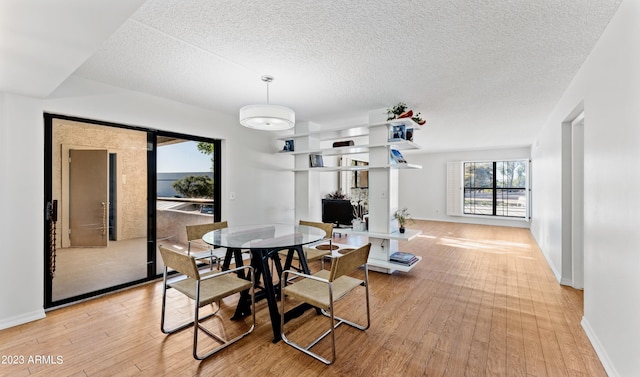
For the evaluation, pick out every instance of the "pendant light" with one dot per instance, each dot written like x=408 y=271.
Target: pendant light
x=267 y=117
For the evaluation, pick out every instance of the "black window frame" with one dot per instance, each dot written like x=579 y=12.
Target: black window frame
x=490 y=189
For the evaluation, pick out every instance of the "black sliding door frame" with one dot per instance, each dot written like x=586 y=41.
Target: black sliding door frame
x=151 y=137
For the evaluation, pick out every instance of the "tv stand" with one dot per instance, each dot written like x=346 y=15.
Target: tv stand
x=340 y=229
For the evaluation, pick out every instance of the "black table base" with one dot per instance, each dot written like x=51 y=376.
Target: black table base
x=264 y=286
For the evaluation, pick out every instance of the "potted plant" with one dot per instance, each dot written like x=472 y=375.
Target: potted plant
x=416 y=118
x=403 y=216
x=398 y=111
x=337 y=195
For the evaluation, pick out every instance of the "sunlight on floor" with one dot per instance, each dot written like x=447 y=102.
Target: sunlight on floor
x=489 y=246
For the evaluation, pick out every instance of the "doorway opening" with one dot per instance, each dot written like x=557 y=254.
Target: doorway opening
x=573 y=199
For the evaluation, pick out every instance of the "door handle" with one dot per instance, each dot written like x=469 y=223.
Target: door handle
x=104 y=217
x=52 y=218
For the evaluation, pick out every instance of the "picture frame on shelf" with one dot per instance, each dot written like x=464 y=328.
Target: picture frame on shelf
x=397 y=132
x=288 y=146
x=316 y=161
x=409 y=134
x=395 y=157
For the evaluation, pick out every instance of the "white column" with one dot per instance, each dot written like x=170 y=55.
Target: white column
x=307 y=183
x=383 y=190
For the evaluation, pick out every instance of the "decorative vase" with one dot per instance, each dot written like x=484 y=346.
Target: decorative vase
x=357 y=225
x=401 y=229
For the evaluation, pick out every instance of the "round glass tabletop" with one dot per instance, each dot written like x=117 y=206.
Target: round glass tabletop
x=268 y=236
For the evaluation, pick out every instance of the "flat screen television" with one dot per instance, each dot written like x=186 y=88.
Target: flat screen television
x=337 y=211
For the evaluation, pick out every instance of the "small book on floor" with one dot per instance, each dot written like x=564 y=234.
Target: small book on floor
x=403 y=258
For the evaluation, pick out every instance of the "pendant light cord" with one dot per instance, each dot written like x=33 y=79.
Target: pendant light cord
x=268 y=80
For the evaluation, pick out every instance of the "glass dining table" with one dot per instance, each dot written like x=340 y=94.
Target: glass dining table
x=265 y=242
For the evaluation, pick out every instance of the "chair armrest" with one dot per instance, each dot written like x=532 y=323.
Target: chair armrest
x=285 y=274
x=216 y=253
x=225 y=272
x=199 y=244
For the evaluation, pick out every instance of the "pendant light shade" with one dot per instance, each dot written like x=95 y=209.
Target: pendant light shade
x=267 y=117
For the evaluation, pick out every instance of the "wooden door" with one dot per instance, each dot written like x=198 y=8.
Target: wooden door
x=88 y=198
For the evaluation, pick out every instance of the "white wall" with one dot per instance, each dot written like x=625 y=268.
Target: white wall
x=262 y=185
x=609 y=84
x=22 y=214
x=424 y=191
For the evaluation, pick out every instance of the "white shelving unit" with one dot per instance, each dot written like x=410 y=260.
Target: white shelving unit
x=379 y=256
x=383 y=178
x=365 y=167
x=355 y=149
x=408 y=235
x=389 y=267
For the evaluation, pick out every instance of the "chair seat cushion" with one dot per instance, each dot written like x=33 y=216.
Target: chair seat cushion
x=212 y=289
x=316 y=292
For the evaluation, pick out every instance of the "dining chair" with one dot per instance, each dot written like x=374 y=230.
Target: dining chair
x=317 y=250
x=194 y=239
x=322 y=290
x=203 y=289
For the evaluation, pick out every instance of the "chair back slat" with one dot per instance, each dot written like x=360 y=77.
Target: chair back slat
x=327 y=227
x=182 y=263
x=349 y=262
x=195 y=232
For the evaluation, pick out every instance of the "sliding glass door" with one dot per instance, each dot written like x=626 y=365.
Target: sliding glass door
x=188 y=174
x=101 y=226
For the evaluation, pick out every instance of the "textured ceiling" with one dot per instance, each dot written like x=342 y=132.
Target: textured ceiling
x=482 y=73
x=43 y=41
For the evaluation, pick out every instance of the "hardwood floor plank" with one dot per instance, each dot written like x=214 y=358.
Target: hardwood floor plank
x=516 y=365
x=593 y=365
x=570 y=352
x=552 y=355
x=477 y=359
x=534 y=357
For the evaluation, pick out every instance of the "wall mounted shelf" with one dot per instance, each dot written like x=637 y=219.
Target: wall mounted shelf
x=356 y=149
x=361 y=167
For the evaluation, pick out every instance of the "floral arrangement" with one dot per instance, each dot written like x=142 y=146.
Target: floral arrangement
x=359 y=210
x=401 y=110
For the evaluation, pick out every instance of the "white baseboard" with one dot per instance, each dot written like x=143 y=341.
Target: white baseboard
x=22 y=318
x=597 y=346
x=555 y=272
x=567 y=282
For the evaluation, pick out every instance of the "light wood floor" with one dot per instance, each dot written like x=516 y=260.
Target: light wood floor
x=483 y=302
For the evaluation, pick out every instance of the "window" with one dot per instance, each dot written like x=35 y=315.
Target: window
x=496 y=188
x=359 y=178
